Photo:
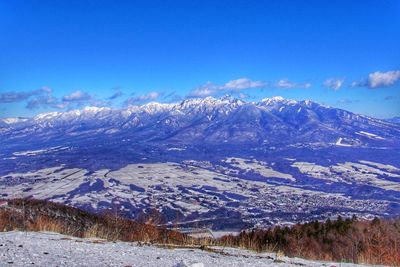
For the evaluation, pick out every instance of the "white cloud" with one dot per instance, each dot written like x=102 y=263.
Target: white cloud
x=46 y=89
x=334 y=83
x=13 y=96
x=43 y=101
x=76 y=96
x=149 y=96
x=242 y=83
x=43 y=98
x=383 y=79
x=234 y=85
x=142 y=98
x=379 y=79
x=286 y=84
x=205 y=90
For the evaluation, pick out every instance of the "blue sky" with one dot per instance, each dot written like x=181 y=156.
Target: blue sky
x=60 y=55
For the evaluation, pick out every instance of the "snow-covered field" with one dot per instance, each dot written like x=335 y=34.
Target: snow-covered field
x=51 y=249
x=258 y=167
x=198 y=189
x=365 y=172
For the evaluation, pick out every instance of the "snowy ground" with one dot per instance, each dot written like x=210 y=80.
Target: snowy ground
x=204 y=190
x=50 y=249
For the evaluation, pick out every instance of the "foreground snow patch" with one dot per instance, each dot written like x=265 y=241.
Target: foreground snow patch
x=50 y=249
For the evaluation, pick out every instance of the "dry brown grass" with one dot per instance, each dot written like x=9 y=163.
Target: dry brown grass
x=372 y=242
x=43 y=223
x=38 y=215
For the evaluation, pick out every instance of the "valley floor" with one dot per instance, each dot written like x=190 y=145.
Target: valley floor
x=51 y=249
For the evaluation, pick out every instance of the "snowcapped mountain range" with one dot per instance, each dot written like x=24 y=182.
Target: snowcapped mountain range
x=205 y=160
x=213 y=121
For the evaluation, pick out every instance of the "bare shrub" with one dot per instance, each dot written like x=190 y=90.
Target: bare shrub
x=350 y=240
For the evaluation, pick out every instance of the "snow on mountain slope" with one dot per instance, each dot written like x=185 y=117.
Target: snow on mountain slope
x=222 y=162
x=211 y=121
x=51 y=249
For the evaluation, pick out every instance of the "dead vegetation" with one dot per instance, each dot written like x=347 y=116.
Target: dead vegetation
x=40 y=215
x=350 y=240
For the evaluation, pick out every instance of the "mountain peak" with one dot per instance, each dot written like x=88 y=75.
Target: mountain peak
x=277 y=99
x=96 y=109
x=210 y=101
x=224 y=105
x=47 y=115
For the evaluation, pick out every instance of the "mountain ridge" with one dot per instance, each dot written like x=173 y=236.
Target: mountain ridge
x=153 y=106
x=214 y=121
x=224 y=162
